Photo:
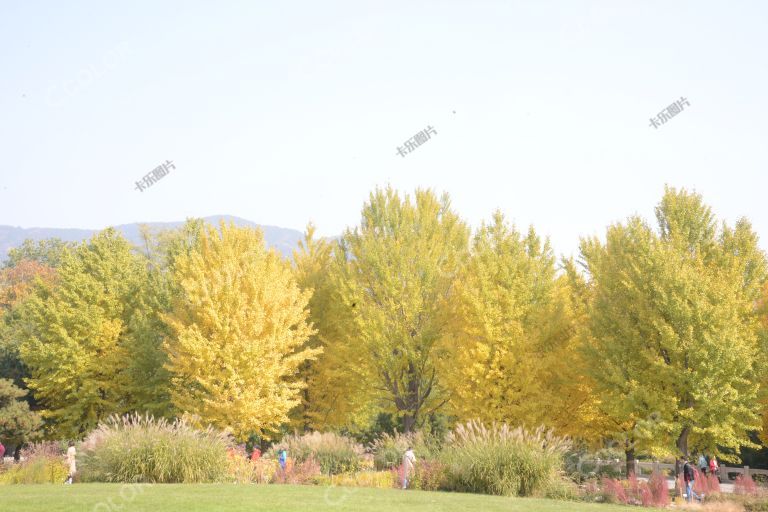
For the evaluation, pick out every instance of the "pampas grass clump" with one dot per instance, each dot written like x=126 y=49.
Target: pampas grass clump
x=136 y=448
x=502 y=460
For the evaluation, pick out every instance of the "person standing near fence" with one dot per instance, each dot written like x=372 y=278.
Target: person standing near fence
x=2 y=453
x=409 y=458
x=714 y=467
x=703 y=464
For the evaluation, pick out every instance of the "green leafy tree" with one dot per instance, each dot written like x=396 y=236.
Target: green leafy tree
x=395 y=274
x=147 y=331
x=81 y=343
x=33 y=264
x=18 y=425
x=674 y=329
x=47 y=252
x=16 y=284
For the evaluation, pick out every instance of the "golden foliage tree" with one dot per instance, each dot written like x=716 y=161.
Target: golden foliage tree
x=513 y=340
x=333 y=398
x=493 y=368
x=239 y=333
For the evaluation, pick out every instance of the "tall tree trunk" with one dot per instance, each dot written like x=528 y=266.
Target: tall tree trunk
x=629 y=451
x=409 y=423
x=682 y=449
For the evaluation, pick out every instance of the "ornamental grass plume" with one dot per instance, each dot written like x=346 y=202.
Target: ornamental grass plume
x=139 y=448
x=502 y=460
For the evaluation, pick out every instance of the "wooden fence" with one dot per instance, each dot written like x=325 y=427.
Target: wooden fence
x=726 y=473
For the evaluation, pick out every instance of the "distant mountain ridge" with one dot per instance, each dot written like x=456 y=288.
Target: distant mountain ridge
x=285 y=240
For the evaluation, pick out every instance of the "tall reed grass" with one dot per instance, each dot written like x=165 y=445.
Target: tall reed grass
x=136 y=448
x=501 y=460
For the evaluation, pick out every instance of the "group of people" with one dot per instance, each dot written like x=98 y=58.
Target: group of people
x=689 y=474
x=710 y=466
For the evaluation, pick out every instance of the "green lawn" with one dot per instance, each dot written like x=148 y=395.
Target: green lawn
x=277 y=498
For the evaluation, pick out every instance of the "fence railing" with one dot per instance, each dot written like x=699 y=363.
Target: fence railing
x=726 y=473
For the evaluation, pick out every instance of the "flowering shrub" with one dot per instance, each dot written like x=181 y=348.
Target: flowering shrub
x=429 y=475
x=657 y=485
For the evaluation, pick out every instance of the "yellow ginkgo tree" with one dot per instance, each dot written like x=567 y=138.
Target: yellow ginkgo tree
x=239 y=333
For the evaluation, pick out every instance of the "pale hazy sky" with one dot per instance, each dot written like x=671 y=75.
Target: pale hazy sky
x=285 y=112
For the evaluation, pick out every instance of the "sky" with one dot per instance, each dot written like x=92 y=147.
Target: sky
x=288 y=112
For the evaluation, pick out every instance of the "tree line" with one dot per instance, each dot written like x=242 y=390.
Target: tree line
x=655 y=337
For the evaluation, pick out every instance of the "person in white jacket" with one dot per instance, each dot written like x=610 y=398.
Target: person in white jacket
x=71 y=461
x=408 y=461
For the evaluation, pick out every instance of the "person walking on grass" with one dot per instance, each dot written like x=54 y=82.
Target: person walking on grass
x=71 y=460
x=689 y=476
x=409 y=458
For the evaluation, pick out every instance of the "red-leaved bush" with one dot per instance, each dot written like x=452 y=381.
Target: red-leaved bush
x=397 y=475
x=745 y=485
x=614 y=490
x=706 y=484
x=659 y=490
x=646 y=496
x=633 y=491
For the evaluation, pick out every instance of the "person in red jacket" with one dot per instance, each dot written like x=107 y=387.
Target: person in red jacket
x=2 y=452
x=714 y=467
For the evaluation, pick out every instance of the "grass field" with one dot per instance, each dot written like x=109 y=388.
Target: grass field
x=273 y=498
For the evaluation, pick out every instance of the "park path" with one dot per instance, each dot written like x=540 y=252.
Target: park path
x=726 y=488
